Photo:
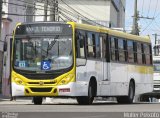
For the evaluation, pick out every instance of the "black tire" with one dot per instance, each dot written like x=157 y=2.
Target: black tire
x=37 y=100
x=87 y=100
x=128 y=99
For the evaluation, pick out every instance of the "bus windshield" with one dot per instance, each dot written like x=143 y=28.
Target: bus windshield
x=43 y=48
x=47 y=53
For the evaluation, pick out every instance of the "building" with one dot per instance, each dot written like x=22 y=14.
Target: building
x=12 y=14
x=109 y=13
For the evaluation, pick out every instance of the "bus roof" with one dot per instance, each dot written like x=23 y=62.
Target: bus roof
x=103 y=30
x=112 y=32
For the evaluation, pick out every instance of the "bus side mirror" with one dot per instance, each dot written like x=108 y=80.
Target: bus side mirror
x=80 y=62
x=5 y=46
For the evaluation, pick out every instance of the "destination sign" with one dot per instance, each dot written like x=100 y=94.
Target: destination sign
x=43 y=29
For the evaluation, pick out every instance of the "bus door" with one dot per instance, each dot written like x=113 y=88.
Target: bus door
x=105 y=82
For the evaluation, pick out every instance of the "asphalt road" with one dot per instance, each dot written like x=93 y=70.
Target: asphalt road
x=70 y=109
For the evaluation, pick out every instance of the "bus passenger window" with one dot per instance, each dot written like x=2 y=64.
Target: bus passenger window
x=91 y=45
x=147 y=53
x=135 y=51
x=98 y=46
x=121 y=51
x=139 y=53
x=80 y=44
x=103 y=46
x=113 y=48
x=130 y=51
x=143 y=54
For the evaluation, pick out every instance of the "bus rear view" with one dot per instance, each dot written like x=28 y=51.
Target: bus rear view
x=42 y=60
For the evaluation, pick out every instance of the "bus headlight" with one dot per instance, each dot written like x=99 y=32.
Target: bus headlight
x=19 y=81
x=67 y=79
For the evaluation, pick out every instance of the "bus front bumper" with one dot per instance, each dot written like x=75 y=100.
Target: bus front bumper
x=72 y=89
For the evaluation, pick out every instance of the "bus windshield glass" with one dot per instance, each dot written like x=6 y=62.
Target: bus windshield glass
x=43 y=53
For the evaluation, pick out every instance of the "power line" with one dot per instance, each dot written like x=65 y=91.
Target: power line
x=85 y=11
x=13 y=14
x=87 y=19
x=147 y=26
x=70 y=13
x=62 y=10
x=24 y=6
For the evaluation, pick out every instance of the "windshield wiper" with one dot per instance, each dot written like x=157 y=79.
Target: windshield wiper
x=52 y=43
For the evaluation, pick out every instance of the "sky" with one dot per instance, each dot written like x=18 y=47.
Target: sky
x=146 y=8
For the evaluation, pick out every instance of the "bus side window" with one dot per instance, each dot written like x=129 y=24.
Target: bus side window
x=80 y=47
x=113 y=48
x=103 y=46
x=121 y=51
x=143 y=53
x=91 y=47
x=135 y=51
x=130 y=51
x=98 y=46
x=150 y=50
x=147 y=53
x=139 y=53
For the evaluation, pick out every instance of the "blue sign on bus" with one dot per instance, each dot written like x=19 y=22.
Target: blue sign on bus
x=45 y=65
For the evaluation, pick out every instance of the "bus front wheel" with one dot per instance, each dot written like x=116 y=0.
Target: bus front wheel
x=37 y=100
x=87 y=100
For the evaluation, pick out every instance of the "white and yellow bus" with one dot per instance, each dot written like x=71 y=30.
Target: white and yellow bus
x=79 y=60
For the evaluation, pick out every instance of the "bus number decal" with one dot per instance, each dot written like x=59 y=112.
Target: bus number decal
x=22 y=64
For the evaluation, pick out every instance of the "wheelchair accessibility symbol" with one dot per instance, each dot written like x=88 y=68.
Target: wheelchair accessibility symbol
x=45 y=65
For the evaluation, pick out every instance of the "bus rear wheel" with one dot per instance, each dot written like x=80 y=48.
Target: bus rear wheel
x=37 y=100
x=128 y=99
x=87 y=100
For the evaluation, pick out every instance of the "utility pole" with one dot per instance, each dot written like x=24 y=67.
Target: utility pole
x=45 y=10
x=1 y=51
x=157 y=45
x=155 y=38
x=136 y=17
x=54 y=10
x=135 y=29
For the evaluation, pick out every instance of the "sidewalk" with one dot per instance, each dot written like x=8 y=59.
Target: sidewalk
x=19 y=100
x=28 y=100
x=48 y=100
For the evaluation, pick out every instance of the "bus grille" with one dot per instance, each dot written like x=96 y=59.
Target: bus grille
x=44 y=83
x=41 y=89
